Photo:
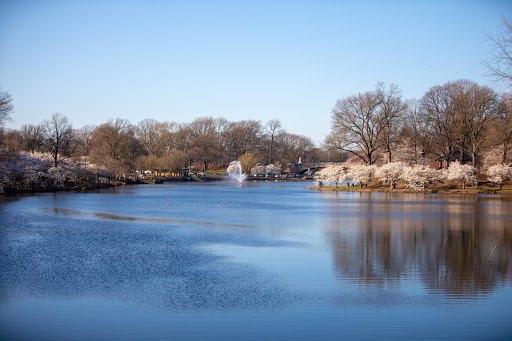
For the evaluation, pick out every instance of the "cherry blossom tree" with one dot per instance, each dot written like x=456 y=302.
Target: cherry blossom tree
x=361 y=174
x=8 y=169
x=323 y=176
x=459 y=172
x=28 y=170
x=258 y=169
x=390 y=172
x=272 y=169
x=498 y=173
x=417 y=176
x=35 y=168
x=331 y=174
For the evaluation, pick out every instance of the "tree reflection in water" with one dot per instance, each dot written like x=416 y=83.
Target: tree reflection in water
x=385 y=238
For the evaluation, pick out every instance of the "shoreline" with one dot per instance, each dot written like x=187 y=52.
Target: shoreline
x=437 y=190
x=103 y=186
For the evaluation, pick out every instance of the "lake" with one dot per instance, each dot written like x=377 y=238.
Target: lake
x=254 y=261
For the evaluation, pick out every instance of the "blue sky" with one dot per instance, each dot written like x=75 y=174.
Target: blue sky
x=287 y=60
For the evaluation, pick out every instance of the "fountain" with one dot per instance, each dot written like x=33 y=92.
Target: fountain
x=235 y=171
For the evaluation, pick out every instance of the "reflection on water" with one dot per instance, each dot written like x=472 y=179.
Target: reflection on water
x=446 y=244
x=283 y=262
x=107 y=216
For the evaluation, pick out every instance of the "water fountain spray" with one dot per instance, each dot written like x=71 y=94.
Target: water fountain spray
x=235 y=171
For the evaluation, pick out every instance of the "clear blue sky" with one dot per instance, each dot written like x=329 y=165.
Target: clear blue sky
x=177 y=60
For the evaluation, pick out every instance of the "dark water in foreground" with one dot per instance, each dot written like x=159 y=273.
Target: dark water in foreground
x=260 y=261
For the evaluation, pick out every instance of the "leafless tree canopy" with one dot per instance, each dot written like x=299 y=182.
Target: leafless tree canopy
x=365 y=123
x=273 y=129
x=33 y=137
x=57 y=132
x=499 y=66
x=460 y=114
x=6 y=107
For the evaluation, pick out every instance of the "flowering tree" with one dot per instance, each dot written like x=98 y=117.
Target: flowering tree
x=331 y=174
x=258 y=169
x=35 y=166
x=8 y=169
x=272 y=169
x=38 y=169
x=361 y=173
x=418 y=176
x=458 y=172
x=498 y=173
x=390 y=172
x=323 y=175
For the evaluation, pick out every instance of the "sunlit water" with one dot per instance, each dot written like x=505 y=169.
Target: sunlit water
x=257 y=260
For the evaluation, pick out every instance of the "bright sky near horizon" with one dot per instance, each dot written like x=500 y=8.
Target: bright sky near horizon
x=178 y=60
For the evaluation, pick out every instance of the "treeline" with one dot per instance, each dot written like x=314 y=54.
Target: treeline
x=459 y=120
x=166 y=147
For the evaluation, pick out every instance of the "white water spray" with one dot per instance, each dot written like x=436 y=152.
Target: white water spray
x=235 y=171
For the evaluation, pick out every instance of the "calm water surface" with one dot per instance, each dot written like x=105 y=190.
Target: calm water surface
x=266 y=260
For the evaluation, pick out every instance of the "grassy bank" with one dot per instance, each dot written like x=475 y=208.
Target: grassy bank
x=441 y=189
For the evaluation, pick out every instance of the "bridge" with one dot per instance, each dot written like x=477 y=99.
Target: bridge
x=301 y=168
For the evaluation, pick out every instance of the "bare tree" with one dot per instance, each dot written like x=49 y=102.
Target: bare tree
x=357 y=125
x=292 y=147
x=11 y=140
x=415 y=129
x=32 y=137
x=243 y=137
x=500 y=65
x=167 y=139
x=439 y=112
x=273 y=129
x=460 y=113
x=148 y=132
x=391 y=111
x=204 y=133
x=501 y=133
x=83 y=139
x=57 y=133
x=475 y=107
x=183 y=139
x=115 y=146
x=6 y=107
x=173 y=162
x=221 y=125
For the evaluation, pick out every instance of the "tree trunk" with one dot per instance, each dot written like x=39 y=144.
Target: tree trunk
x=505 y=146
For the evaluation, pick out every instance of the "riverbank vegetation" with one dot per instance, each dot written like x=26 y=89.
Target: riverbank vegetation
x=398 y=176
